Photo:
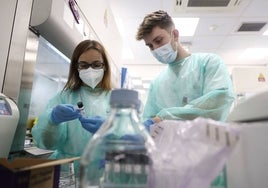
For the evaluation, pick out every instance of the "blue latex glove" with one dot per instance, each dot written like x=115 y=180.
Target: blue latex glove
x=91 y=124
x=148 y=124
x=64 y=112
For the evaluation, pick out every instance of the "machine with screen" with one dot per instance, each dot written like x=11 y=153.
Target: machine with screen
x=4 y=110
x=9 y=117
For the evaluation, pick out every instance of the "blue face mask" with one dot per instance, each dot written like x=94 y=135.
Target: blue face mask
x=165 y=54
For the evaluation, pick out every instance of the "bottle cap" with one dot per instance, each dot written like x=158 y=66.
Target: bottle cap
x=124 y=97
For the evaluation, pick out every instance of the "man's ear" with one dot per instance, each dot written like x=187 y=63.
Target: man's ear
x=176 y=34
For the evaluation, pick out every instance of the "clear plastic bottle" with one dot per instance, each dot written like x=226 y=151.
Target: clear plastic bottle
x=120 y=152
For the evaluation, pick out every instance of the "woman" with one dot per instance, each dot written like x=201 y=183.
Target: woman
x=62 y=127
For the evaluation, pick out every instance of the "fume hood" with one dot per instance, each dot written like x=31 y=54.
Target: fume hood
x=61 y=26
x=61 y=23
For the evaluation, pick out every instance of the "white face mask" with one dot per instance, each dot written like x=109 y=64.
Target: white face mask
x=165 y=54
x=91 y=77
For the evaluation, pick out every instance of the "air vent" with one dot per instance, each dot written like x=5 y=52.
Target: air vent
x=206 y=5
x=251 y=27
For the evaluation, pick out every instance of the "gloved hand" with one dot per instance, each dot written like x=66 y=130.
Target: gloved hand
x=64 y=112
x=148 y=124
x=91 y=124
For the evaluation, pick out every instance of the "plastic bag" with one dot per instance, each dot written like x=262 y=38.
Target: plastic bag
x=190 y=154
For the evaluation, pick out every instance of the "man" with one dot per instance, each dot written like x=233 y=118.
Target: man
x=192 y=85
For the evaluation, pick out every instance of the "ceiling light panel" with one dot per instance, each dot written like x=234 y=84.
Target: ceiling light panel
x=186 y=26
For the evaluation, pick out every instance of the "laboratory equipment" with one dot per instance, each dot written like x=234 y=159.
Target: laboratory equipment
x=119 y=154
x=9 y=117
x=247 y=167
x=254 y=108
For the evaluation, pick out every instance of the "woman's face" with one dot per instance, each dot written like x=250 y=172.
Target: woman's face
x=90 y=58
x=91 y=67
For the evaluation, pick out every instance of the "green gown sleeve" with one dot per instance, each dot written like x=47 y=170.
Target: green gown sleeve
x=46 y=134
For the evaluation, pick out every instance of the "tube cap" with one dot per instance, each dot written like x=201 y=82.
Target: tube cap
x=80 y=104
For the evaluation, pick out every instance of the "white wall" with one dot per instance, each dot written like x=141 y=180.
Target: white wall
x=250 y=79
x=101 y=19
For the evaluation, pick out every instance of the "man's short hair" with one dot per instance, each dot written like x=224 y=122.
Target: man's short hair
x=158 y=18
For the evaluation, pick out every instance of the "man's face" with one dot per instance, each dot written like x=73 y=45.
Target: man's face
x=157 y=38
